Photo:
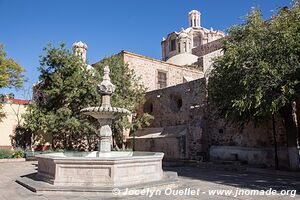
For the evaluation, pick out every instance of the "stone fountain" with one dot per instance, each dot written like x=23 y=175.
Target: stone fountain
x=105 y=114
x=93 y=171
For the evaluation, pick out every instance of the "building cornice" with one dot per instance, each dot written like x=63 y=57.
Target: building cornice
x=160 y=61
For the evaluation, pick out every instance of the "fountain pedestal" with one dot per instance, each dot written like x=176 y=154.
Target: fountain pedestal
x=105 y=134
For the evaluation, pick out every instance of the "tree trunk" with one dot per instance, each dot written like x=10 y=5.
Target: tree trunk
x=298 y=120
x=66 y=142
x=275 y=142
x=290 y=124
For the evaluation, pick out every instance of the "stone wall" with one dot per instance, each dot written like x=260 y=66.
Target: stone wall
x=208 y=60
x=263 y=156
x=173 y=108
x=208 y=47
x=207 y=53
x=206 y=136
x=161 y=139
x=254 y=135
x=147 y=68
x=252 y=143
x=177 y=105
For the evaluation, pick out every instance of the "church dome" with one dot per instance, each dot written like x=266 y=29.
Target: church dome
x=183 y=59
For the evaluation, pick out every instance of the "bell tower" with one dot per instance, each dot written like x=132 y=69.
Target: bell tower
x=194 y=19
x=80 y=50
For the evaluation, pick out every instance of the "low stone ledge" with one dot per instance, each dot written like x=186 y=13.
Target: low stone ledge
x=6 y=160
x=34 y=184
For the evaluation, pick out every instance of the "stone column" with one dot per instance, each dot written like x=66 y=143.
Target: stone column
x=105 y=88
x=105 y=134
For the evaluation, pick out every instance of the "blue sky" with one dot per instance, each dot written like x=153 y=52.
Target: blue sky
x=108 y=26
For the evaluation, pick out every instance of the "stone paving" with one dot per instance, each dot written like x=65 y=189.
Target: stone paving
x=189 y=177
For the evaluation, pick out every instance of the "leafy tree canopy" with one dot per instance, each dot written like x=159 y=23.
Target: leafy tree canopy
x=259 y=73
x=66 y=86
x=10 y=71
x=10 y=74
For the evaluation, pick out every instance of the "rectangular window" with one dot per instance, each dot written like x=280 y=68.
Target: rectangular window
x=173 y=45
x=161 y=79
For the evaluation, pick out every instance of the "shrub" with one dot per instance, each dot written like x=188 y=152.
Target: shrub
x=18 y=153
x=6 y=153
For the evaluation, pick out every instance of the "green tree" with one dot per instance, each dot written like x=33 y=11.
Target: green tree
x=258 y=75
x=11 y=74
x=66 y=86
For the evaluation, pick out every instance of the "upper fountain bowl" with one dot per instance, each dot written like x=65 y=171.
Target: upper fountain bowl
x=105 y=112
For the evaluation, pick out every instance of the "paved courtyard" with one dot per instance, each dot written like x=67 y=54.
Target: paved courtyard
x=204 y=181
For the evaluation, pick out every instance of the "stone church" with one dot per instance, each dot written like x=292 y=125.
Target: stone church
x=186 y=55
x=185 y=126
x=186 y=46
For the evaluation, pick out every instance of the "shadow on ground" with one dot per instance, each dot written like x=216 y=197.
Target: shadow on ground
x=32 y=176
x=244 y=180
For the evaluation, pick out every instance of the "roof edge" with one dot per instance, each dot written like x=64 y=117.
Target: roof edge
x=159 y=61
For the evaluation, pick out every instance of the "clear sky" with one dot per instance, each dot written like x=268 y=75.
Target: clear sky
x=108 y=26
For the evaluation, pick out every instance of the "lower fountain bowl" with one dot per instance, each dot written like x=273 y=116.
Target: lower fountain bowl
x=94 y=169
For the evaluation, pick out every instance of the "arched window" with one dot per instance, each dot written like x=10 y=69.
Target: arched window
x=175 y=102
x=173 y=45
x=148 y=107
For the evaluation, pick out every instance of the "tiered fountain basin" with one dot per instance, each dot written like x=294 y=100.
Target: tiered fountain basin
x=104 y=112
x=95 y=169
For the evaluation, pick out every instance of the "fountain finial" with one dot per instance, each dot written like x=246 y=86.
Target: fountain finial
x=106 y=87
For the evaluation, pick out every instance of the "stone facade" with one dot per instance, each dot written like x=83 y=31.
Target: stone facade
x=186 y=55
x=253 y=143
x=207 y=61
x=208 y=47
x=182 y=112
x=189 y=45
x=179 y=111
x=148 y=69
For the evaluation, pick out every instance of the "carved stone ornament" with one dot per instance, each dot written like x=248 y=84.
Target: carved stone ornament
x=106 y=87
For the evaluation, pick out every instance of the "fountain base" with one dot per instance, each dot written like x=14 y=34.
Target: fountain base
x=100 y=169
x=169 y=180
